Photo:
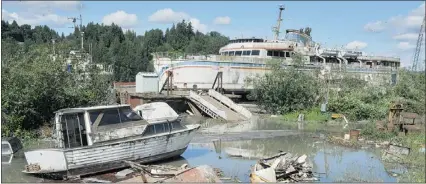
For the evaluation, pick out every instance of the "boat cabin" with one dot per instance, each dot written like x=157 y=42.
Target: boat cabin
x=79 y=127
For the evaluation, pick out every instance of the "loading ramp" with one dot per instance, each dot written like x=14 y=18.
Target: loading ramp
x=219 y=106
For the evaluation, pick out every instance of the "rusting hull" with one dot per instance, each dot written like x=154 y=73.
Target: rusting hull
x=93 y=159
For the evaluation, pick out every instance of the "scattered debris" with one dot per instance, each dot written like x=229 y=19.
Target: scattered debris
x=343 y=142
x=283 y=167
x=347 y=137
x=155 y=174
x=95 y=180
x=395 y=152
x=123 y=173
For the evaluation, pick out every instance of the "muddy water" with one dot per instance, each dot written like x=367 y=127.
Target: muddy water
x=258 y=138
x=331 y=163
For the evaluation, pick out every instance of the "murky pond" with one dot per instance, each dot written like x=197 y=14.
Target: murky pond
x=330 y=162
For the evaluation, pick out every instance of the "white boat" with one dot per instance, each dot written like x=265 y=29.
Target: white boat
x=95 y=139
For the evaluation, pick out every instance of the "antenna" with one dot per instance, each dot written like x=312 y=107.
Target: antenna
x=414 y=67
x=276 y=29
x=74 y=20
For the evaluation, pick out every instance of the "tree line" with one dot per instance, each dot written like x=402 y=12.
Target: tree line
x=128 y=52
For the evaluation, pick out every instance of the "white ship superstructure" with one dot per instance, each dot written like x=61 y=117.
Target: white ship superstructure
x=242 y=58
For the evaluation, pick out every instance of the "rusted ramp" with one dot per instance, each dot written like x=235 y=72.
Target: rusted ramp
x=230 y=114
x=214 y=108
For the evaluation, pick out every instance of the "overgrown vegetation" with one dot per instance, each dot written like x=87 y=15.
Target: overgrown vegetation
x=291 y=92
x=34 y=84
x=283 y=91
x=360 y=101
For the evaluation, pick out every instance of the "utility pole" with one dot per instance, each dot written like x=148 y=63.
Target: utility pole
x=74 y=20
x=276 y=29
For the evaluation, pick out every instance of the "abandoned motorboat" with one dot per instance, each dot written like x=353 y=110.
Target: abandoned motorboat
x=95 y=139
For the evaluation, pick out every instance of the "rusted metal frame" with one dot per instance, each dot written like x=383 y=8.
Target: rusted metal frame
x=165 y=82
x=79 y=130
x=219 y=80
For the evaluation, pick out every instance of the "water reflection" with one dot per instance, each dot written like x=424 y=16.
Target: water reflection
x=336 y=164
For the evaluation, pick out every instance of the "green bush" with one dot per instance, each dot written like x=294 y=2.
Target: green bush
x=34 y=86
x=285 y=90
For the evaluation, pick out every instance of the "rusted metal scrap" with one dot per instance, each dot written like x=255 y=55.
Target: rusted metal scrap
x=282 y=167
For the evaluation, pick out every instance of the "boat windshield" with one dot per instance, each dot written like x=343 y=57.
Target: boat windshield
x=127 y=114
x=114 y=116
x=297 y=38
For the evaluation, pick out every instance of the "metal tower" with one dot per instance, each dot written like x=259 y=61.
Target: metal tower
x=276 y=29
x=418 y=46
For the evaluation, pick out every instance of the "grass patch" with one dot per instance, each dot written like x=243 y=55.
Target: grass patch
x=370 y=132
x=313 y=114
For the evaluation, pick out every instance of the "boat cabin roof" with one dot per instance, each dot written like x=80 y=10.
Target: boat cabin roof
x=83 y=109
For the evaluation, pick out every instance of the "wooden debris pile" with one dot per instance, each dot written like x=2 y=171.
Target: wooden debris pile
x=283 y=167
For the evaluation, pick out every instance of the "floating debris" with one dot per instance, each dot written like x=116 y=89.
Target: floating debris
x=283 y=167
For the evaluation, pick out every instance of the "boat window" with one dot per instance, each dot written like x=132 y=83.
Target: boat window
x=255 y=52
x=127 y=114
x=282 y=54
x=238 y=53
x=276 y=53
x=93 y=115
x=176 y=126
x=111 y=116
x=225 y=53
x=166 y=127
x=159 y=128
x=246 y=53
x=73 y=130
x=269 y=53
x=150 y=130
x=231 y=53
x=287 y=54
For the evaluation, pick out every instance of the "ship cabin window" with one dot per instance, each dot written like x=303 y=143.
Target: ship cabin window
x=231 y=53
x=73 y=130
x=255 y=52
x=278 y=53
x=238 y=53
x=150 y=130
x=113 y=116
x=157 y=129
x=176 y=126
x=246 y=53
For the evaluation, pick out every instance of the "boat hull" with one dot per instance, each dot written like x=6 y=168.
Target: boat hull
x=100 y=158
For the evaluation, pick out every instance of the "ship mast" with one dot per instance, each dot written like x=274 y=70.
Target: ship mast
x=276 y=29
